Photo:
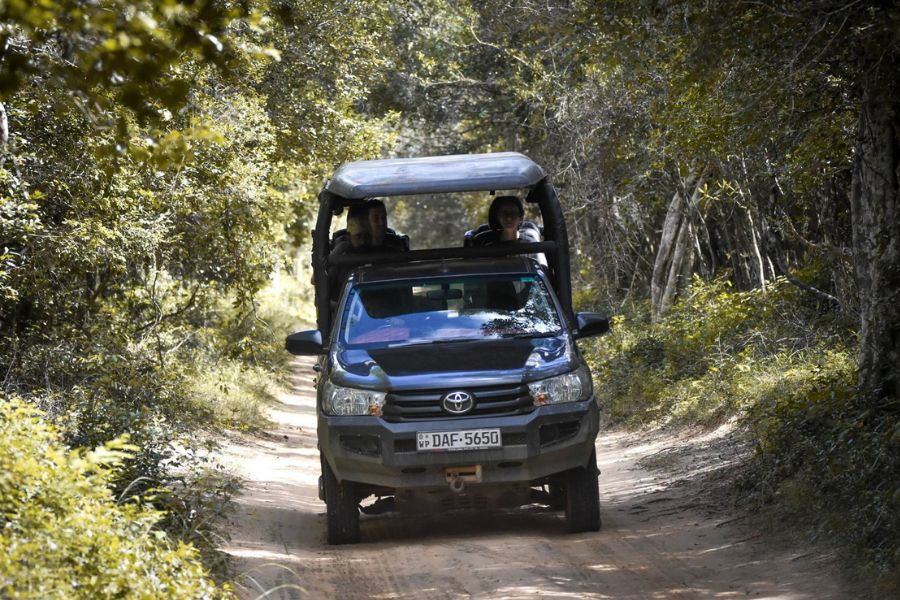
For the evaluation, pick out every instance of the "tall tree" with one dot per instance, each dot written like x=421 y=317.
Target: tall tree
x=876 y=216
x=154 y=152
x=765 y=95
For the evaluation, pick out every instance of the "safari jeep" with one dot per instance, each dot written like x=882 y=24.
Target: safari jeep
x=450 y=378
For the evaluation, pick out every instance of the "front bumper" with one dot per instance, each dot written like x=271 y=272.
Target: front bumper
x=547 y=441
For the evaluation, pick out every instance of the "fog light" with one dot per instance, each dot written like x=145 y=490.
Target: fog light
x=367 y=445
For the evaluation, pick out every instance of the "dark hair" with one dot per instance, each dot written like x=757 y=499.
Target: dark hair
x=498 y=203
x=374 y=203
x=358 y=211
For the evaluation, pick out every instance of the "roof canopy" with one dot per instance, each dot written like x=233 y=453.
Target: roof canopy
x=434 y=175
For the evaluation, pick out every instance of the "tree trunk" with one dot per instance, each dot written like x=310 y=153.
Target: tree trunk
x=670 y=232
x=757 y=255
x=675 y=257
x=876 y=232
x=4 y=134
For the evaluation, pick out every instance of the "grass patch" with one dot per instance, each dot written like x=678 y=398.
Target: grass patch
x=234 y=395
x=241 y=364
x=717 y=352
x=830 y=462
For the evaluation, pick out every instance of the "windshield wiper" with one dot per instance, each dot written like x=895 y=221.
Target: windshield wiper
x=455 y=340
x=421 y=342
x=527 y=336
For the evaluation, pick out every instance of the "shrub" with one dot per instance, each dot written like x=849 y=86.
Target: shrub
x=829 y=460
x=715 y=353
x=787 y=370
x=239 y=360
x=214 y=367
x=63 y=534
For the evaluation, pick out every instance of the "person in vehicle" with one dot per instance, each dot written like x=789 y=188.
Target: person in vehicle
x=506 y=215
x=506 y=219
x=357 y=239
x=383 y=238
x=506 y=224
x=359 y=235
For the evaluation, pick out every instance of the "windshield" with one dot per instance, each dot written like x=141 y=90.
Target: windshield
x=448 y=309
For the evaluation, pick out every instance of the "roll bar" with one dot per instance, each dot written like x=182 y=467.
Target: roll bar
x=354 y=182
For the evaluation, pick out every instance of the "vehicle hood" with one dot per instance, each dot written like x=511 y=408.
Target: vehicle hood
x=449 y=364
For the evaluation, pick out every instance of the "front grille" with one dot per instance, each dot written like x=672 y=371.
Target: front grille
x=426 y=405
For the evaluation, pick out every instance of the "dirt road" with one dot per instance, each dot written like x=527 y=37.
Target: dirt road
x=662 y=537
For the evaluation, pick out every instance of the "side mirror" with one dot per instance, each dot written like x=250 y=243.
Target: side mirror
x=591 y=324
x=305 y=343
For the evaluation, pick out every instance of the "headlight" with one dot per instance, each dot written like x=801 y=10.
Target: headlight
x=337 y=400
x=569 y=387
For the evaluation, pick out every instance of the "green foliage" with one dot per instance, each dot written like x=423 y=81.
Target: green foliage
x=831 y=461
x=157 y=155
x=64 y=534
x=137 y=228
x=787 y=371
x=333 y=55
x=244 y=365
x=717 y=352
x=163 y=157
x=114 y=60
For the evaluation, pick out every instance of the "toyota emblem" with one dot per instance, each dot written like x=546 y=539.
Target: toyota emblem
x=458 y=403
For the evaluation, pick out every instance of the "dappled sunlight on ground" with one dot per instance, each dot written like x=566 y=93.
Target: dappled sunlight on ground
x=664 y=534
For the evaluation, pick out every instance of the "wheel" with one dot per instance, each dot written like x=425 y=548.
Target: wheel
x=583 y=498
x=342 y=508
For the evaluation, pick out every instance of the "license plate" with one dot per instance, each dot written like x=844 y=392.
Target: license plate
x=470 y=439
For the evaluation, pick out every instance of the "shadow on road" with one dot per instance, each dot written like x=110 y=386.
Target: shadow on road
x=664 y=535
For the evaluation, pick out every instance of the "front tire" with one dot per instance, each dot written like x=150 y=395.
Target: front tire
x=583 y=498
x=342 y=508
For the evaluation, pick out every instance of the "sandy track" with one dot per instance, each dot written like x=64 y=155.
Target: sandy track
x=661 y=538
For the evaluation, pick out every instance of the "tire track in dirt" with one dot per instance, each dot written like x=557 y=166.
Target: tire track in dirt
x=659 y=540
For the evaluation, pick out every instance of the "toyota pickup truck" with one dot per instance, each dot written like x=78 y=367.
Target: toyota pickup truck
x=450 y=378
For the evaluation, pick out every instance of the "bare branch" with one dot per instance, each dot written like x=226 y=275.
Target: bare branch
x=805 y=286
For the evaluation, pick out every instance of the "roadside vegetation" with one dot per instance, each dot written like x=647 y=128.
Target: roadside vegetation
x=728 y=171
x=153 y=183
x=719 y=352
x=66 y=535
x=782 y=367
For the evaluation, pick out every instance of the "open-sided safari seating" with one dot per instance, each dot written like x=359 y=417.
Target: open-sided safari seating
x=355 y=182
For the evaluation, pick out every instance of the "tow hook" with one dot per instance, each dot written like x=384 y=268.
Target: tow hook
x=458 y=477
x=457 y=484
